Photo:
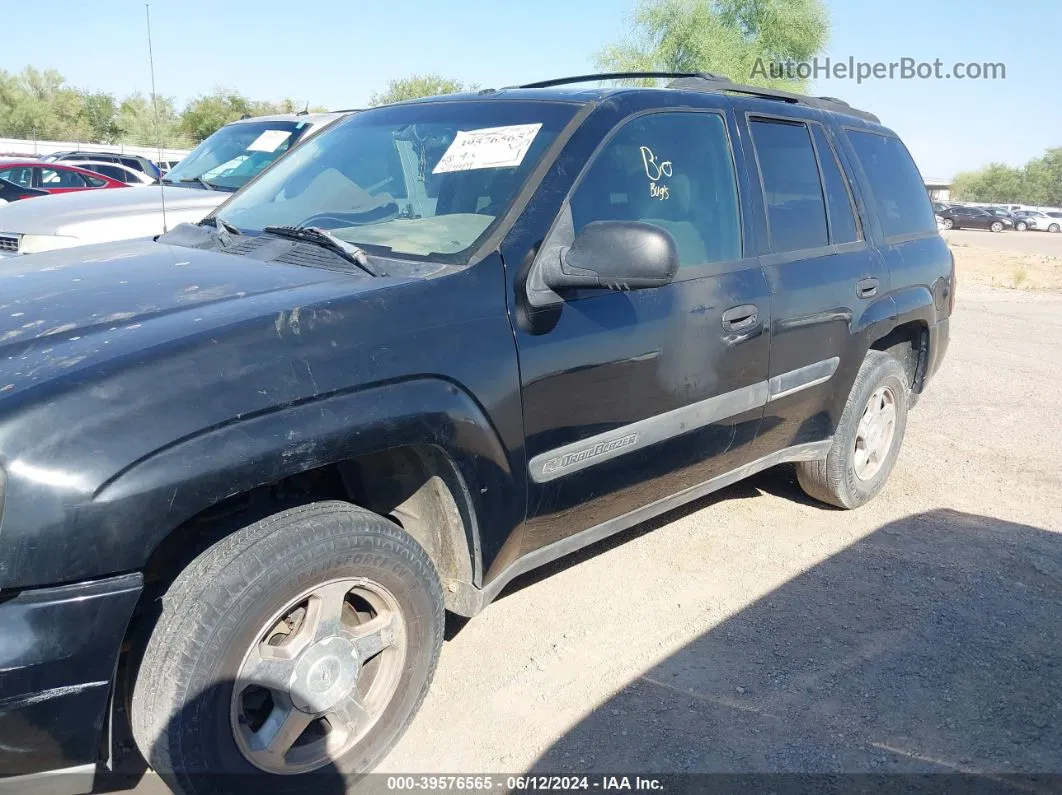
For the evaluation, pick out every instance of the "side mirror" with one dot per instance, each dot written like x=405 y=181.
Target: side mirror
x=614 y=255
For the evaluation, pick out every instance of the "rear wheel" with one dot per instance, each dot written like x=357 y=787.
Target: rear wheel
x=296 y=650
x=1021 y=226
x=868 y=438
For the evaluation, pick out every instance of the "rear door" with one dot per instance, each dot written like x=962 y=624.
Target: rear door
x=826 y=281
x=629 y=397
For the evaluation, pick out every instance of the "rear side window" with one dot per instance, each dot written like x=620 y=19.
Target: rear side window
x=843 y=225
x=111 y=171
x=673 y=170
x=61 y=178
x=796 y=211
x=95 y=182
x=895 y=183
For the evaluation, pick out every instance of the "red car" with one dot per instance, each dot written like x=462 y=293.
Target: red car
x=54 y=177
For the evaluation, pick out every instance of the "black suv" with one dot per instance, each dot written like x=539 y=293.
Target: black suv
x=251 y=463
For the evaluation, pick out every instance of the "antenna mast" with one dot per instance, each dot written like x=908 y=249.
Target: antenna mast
x=155 y=103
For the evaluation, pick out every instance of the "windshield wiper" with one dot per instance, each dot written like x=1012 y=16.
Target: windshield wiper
x=311 y=234
x=205 y=183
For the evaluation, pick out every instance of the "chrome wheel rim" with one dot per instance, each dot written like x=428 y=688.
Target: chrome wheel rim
x=875 y=432
x=318 y=676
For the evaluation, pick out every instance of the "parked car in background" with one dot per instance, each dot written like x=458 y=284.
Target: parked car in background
x=1052 y=223
x=203 y=179
x=1003 y=212
x=117 y=172
x=135 y=162
x=1022 y=220
x=54 y=177
x=973 y=218
x=167 y=165
x=13 y=192
x=940 y=206
x=1041 y=221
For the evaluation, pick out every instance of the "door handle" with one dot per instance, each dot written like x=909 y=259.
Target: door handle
x=739 y=318
x=867 y=288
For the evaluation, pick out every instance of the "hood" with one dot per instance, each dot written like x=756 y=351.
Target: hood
x=102 y=216
x=66 y=311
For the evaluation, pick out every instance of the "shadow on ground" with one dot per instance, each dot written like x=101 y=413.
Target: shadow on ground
x=933 y=645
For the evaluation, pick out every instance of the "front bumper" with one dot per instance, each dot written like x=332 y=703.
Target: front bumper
x=58 y=652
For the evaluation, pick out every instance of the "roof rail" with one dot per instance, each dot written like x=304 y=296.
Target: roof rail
x=718 y=83
x=707 y=81
x=561 y=81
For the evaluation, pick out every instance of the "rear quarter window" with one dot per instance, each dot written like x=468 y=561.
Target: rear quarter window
x=898 y=190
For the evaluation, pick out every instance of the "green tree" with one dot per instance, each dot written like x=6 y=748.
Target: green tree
x=415 y=86
x=205 y=114
x=100 y=113
x=737 y=38
x=1043 y=179
x=136 y=122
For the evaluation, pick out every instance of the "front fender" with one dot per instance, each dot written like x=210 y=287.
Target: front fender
x=131 y=513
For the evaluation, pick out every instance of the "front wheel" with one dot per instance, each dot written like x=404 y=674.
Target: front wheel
x=1021 y=226
x=949 y=224
x=1053 y=228
x=296 y=650
x=868 y=437
x=997 y=226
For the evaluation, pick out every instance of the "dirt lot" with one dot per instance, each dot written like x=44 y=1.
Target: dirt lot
x=757 y=631
x=1018 y=260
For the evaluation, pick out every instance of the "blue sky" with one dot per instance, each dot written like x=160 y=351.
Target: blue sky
x=336 y=53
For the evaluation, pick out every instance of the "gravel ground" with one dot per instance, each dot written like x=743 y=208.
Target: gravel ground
x=757 y=631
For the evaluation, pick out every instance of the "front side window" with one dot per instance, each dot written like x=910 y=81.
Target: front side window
x=20 y=176
x=417 y=180
x=673 y=170
x=796 y=212
x=895 y=183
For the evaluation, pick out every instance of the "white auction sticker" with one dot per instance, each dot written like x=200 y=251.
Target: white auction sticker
x=491 y=147
x=269 y=141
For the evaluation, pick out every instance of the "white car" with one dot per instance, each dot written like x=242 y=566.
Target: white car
x=1043 y=222
x=121 y=173
x=209 y=174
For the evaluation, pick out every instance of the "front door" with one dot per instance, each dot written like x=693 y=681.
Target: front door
x=630 y=397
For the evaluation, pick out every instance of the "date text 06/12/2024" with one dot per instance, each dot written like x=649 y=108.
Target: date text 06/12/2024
x=529 y=783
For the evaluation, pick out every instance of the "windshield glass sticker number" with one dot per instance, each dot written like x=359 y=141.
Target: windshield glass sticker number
x=269 y=141
x=491 y=147
x=656 y=171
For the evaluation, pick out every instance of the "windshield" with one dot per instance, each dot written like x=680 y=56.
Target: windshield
x=229 y=158
x=420 y=180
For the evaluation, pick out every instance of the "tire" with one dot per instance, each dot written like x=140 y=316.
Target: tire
x=1053 y=228
x=949 y=223
x=1021 y=226
x=215 y=623
x=997 y=226
x=836 y=479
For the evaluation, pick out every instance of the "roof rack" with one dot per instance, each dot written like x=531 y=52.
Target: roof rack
x=707 y=81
